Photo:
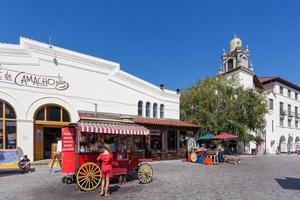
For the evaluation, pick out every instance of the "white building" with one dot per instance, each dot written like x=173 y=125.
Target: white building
x=282 y=128
x=44 y=88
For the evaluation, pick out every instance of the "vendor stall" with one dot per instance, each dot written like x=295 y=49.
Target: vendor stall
x=82 y=143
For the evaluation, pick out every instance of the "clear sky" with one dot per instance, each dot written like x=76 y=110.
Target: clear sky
x=164 y=41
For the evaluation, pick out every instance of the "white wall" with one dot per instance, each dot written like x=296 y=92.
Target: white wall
x=91 y=81
x=273 y=138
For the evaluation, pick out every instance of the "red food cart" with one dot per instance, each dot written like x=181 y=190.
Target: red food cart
x=82 y=142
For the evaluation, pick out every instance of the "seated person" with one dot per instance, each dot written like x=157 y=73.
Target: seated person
x=24 y=164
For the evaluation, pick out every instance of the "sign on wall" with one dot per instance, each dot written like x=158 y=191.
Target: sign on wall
x=32 y=80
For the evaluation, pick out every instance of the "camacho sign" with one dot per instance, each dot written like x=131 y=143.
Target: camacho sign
x=32 y=80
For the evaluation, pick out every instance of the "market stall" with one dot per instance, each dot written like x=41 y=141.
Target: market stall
x=82 y=143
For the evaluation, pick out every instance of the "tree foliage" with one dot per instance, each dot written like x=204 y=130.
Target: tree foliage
x=220 y=104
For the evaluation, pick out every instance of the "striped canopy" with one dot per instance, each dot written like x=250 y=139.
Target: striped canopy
x=112 y=128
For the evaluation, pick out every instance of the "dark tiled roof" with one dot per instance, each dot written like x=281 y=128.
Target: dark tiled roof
x=163 y=122
x=270 y=79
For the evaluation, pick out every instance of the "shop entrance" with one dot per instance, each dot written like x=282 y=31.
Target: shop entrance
x=49 y=120
x=51 y=137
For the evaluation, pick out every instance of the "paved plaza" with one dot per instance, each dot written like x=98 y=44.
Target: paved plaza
x=261 y=177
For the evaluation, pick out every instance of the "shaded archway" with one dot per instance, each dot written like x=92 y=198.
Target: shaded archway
x=282 y=144
x=48 y=121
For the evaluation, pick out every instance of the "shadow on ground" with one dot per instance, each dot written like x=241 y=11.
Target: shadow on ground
x=10 y=172
x=289 y=183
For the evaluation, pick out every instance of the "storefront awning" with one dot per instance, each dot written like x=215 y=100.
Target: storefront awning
x=113 y=128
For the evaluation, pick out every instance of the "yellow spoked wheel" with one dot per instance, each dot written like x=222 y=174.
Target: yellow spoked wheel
x=193 y=157
x=89 y=176
x=145 y=173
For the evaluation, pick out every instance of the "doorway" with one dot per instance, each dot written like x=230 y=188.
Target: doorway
x=51 y=136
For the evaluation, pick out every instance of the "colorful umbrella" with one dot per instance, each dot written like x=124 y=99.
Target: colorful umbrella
x=207 y=136
x=225 y=136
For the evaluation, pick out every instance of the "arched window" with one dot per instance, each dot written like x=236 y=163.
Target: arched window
x=230 y=65
x=52 y=113
x=148 y=105
x=162 y=111
x=8 y=126
x=140 y=108
x=155 y=110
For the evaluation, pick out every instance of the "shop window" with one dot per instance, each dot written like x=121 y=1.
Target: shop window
x=140 y=108
x=66 y=117
x=156 y=142
x=8 y=126
x=162 y=111
x=155 y=110
x=11 y=133
x=52 y=113
x=172 y=140
x=137 y=143
x=148 y=105
x=9 y=112
x=182 y=140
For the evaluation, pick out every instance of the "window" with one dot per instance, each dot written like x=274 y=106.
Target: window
x=281 y=122
x=140 y=108
x=155 y=110
x=289 y=93
x=52 y=113
x=290 y=123
x=296 y=111
x=296 y=124
x=281 y=109
x=272 y=126
x=289 y=110
x=230 y=64
x=8 y=126
x=271 y=104
x=296 y=95
x=281 y=90
x=148 y=105
x=162 y=111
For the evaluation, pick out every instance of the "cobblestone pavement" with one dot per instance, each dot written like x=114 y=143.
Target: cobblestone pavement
x=262 y=177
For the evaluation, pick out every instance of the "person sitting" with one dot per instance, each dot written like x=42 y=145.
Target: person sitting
x=24 y=164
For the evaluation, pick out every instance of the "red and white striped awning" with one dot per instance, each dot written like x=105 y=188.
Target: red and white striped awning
x=107 y=128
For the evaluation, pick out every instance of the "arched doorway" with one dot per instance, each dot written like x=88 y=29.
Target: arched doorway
x=290 y=146
x=48 y=121
x=282 y=144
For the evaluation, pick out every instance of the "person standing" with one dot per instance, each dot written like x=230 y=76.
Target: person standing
x=106 y=165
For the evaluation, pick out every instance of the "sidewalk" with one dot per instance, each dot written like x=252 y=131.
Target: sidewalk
x=33 y=163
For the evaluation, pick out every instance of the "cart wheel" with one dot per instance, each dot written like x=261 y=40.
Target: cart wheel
x=69 y=181
x=145 y=173
x=89 y=176
x=64 y=179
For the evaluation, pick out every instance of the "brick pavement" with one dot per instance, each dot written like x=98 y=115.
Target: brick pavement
x=261 y=177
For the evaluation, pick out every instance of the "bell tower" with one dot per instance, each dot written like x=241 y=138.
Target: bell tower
x=235 y=62
x=236 y=57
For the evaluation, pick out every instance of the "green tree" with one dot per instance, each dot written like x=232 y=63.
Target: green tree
x=220 y=104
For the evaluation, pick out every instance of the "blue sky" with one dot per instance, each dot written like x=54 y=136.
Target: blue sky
x=170 y=42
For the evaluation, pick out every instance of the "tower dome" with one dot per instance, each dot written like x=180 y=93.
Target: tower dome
x=234 y=43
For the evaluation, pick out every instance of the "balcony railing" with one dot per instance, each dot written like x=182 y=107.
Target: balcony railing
x=282 y=112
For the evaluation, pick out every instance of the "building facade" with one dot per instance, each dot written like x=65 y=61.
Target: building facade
x=282 y=131
x=44 y=88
